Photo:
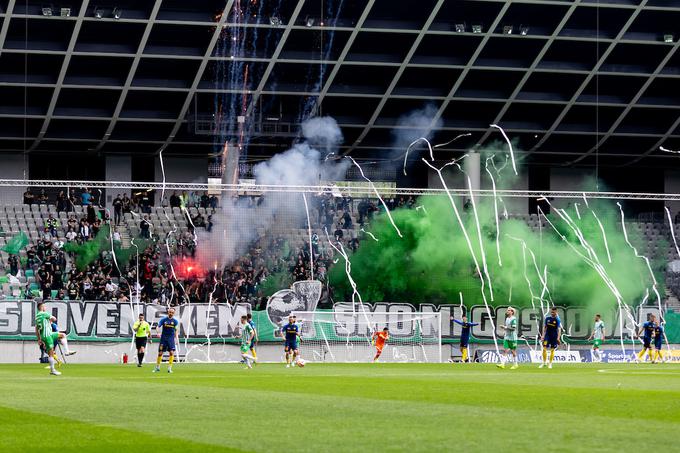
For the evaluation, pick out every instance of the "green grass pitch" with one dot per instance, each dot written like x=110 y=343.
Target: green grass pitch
x=340 y=407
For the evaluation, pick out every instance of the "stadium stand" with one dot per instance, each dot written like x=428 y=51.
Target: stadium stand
x=47 y=269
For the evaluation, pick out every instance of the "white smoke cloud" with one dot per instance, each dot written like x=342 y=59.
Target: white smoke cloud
x=414 y=125
x=322 y=132
x=236 y=225
x=298 y=166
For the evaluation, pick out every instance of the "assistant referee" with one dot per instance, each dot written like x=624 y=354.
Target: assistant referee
x=142 y=331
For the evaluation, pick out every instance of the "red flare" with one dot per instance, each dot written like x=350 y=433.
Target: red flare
x=188 y=268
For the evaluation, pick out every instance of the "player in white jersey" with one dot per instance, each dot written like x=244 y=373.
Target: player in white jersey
x=598 y=338
x=509 y=340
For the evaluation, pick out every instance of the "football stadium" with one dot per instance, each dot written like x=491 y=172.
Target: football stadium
x=339 y=225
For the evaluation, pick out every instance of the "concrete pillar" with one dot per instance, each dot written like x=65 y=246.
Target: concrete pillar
x=472 y=166
x=118 y=169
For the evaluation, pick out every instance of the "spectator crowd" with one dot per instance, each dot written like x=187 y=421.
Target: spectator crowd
x=157 y=271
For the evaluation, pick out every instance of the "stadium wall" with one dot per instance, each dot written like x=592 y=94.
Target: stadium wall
x=181 y=170
x=14 y=166
x=456 y=180
x=109 y=352
x=118 y=168
x=112 y=352
x=672 y=185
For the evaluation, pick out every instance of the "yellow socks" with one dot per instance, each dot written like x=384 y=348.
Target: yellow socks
x=170 y=360
x=465 y=354
x=545 y=355
x=552 y=355
x=158 y=360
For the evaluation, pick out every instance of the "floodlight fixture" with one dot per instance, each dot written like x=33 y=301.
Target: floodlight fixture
x=309 y=21
x=65 y=12
x=523 y=30
x=47 y=11
x=668 y=37
x=460 y=28
x=117 y=12
x=98 y=13
x=275 y=21
x=476 y=28
x=507 y=30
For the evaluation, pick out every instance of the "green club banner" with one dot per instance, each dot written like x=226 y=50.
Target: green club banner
x=110 y=321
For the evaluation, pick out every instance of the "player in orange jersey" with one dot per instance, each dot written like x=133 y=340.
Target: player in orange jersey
x=379 y=339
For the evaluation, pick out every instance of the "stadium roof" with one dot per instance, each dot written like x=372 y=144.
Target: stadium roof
x=572 y=81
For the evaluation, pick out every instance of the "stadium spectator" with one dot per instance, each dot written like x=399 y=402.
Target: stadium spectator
x=347 y=221
x=362 y=209
x=51 y=225
x=144 y=227
x=117 y=241
x=117 y=209
x=86 y=197
x=145 y=201
x=174 y=200
x=91 y=214
x=84 y=230
x=199 y=221
x=62 y=202
x=13 y=262
x=71 y=235
x=28 y=197
x=213 y=202
x=126 y=204
x=72 y=222
x=42 y=197
x=71 y=203
x=338 y=234
x=95 y=227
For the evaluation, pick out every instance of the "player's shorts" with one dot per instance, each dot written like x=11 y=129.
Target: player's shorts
x=550 y=343
x=50 y=340
x=167 y=344
x=647 y=342
x=379 y=347
x=510 y=344
x=658 y=345
x=597 y=343
x=252 y=345
x=245 y=348
x=464 y=344
x=290 y=346
x=140 y=342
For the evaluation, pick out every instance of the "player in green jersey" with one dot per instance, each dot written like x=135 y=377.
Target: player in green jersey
x=47 y=339
x=598 y=338
x=247 y=336
x=509 y=340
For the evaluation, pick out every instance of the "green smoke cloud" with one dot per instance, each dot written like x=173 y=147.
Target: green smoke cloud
x=432 y=262
x=89 y=251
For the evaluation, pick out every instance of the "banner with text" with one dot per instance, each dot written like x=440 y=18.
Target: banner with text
x=110 y=321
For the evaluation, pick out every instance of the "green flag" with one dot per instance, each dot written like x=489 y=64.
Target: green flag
x=16 y=243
